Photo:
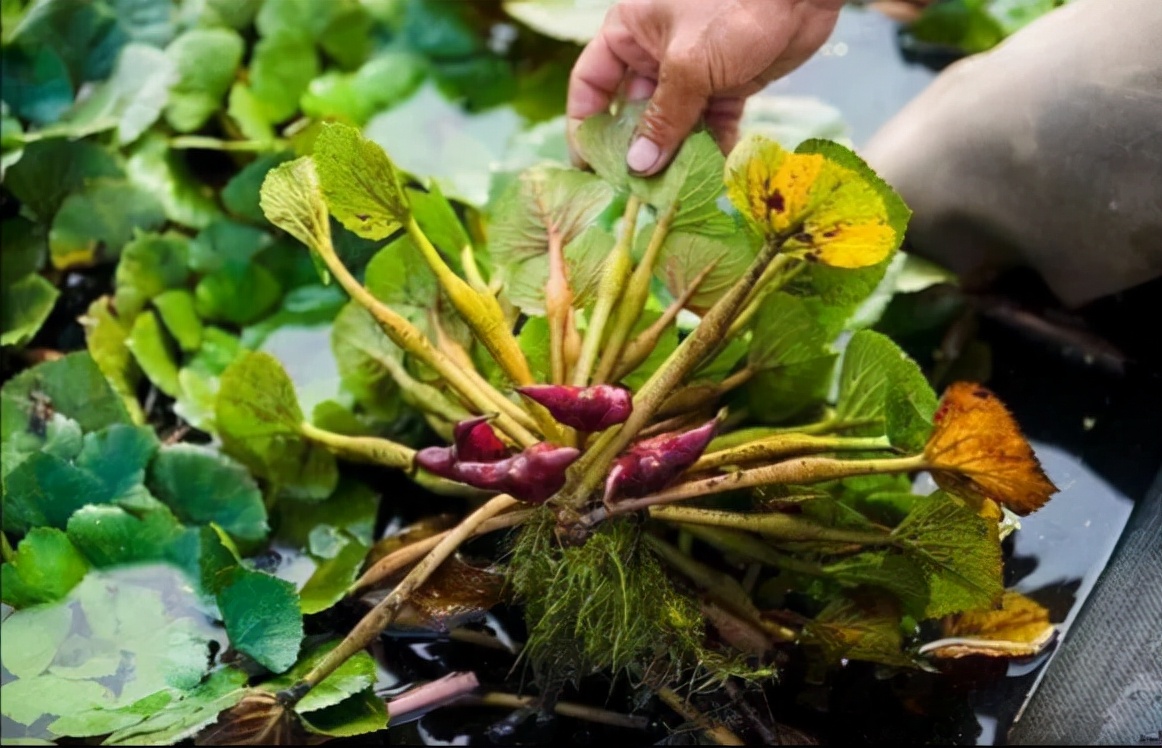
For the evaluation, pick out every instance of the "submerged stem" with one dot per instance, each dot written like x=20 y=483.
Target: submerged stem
x=564 y=708
x=789 y=528
x=613 y=279
x=379 y=617
x=748 y=546
x=633 y=300
x=720 y=734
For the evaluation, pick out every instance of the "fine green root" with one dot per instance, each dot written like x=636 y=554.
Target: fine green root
x=607 y=605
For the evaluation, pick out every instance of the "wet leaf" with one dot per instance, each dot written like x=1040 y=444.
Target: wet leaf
x=201 y=487
x=25 y=306
x=241 y=194
x=545 y=202
x=124 y=617
x=131 y=99
x=206 y=59
x=859 y=629
x=258 y=419
x=353 y=676
x=880 y=384
x=977 y=451
x=1021 y=628
x=178 y=313
x=262 y=618
x=455 y=592
x=281 y=66
x=51 y=170
x=959 y=552
x=238 y=296
x=105 y=213
x=117 y=455
x=111 y=536
x=46 y=566
x=149 y=265
x=292 y=200
x=155 y=353
x=818 y=207
x=165 y=173
x=791 y=351
x=355 y=97
x=361 y=185
x=182 y=718
x=358 y=715
x=892 y=572
x=686 y=254
x=44 y=490
x=36 y=83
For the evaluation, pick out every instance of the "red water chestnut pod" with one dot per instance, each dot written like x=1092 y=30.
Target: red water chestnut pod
x=652 y=464
x=439 y=461
x=593 y=408
x=477 y=442
x=539 y=472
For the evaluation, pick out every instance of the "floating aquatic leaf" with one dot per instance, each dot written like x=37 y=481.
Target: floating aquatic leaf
x=45 y=567
x=350 y=678
x=201 y=487
x=104 y=214
x=25 y=306
x=206 y=60
x=262 y=618
x=155 y=352
x=977 y=450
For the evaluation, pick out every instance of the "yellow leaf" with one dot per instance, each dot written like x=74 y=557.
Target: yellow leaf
x=977 y=452
x=820 y=210
x=1021 y=628
x=291 y=199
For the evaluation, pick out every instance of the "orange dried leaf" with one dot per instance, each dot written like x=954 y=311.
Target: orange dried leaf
x=455 y=593
x=1021 y=628
x=977 y=452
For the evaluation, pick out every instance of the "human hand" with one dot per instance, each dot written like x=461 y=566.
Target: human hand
x=693 y=59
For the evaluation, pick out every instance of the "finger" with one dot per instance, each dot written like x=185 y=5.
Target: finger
x=593 y=84
x=722 y=118
x=672 y=113
x=640 y=88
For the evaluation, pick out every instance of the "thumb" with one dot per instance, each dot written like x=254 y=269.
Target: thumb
x=673 y=112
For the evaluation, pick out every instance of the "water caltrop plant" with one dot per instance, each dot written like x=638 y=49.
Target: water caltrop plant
x=622 y=367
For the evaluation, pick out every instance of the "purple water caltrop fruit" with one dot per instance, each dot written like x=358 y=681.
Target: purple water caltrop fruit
x=588 y=409
x=531 y=476
x=652 y=464
x=476 y=441
x=439 y=461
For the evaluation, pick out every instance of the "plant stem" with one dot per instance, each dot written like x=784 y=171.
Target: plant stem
x=217 y=144
x=361 y=448
x=716 y=732
x=381 y=616
x=399 y=559
x=696 y=396
x=633 y=300
x=564 y=708
x=589 y=472
x=639 y=349
x=484 y=399
x=558 y=306
x=776 y=277
x=420 y=395
x=481 y=311
x=472 y=270
x=748 y=546
x=6 y=552
x=613 y=279
x=786 y=445
x=801 y=470
x=783 y=527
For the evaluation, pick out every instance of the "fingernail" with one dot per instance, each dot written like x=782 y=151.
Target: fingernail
x=643 y=154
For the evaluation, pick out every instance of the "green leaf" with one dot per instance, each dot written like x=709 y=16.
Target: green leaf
x=165 y=173
x=360 y=348
x=292 y=200
x=263 y=619
x=258 y=419
x=124 y=617
x=176 y=308
x=351 y=509
x=959 y=551
x=280 y=68
x=355 y=97
x=438 y=220
x=149 y=265
x=307 y=18
x=131 y=99
x=111 y=536
x=181 y=720
x=347 y=37
x=399 y=276
x=72 y=386
x=241 y=193
x=201 y=487
x=544 y=202
x=105 y=213
x=226 y=245
x=206 y=60
x=239 y=297
x=105 y=337
x=358 y=715
x=155 y=353
x=792 y=352
x=684 y=255
x=44 y=490
x=307 y=306
x=585 y=259
x=361 y=185
x=966 y=24
x=199 y=378
x=99 y=721
x=248 y=113
x=888 y=571
x=865 y=629
x=46 y=566
x=36 y=83
x=692 y=181
x=51 y=170
x=879 y=383
x=117 y=455
x=667 y=343
x=329 y=583
x=25 y=247
x=534 y=342
x=353 y=676
x=24 y=308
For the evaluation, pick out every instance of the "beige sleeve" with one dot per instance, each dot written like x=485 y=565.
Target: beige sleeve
x=1045 y=152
